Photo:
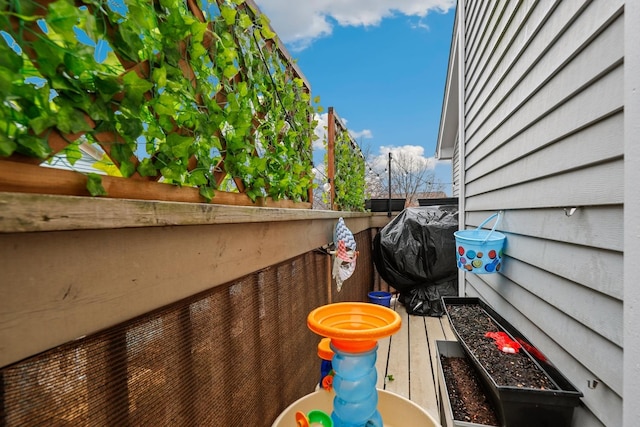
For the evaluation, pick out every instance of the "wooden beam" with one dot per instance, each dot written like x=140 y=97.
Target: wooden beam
x=23 y=212
x=331 y=156
x=57 y=287
x=25 y=178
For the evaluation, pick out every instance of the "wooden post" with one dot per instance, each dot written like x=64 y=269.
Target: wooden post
x=329 y=279
x=331 y=165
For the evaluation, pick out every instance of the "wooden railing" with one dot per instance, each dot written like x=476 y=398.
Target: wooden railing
x=226 y=113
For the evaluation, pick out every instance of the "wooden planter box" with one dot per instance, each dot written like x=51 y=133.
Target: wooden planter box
x=449 y=349
x=522 y=406
x=382 y=205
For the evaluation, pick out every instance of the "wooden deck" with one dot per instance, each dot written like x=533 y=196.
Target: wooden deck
x=407 y=361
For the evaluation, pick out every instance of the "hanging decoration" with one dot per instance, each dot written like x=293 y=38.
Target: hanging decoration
x=345 y=255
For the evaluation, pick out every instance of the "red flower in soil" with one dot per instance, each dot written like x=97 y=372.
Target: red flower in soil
x=327 y=382
x=503 y=342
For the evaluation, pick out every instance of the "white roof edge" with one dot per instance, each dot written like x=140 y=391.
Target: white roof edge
x=449 y=116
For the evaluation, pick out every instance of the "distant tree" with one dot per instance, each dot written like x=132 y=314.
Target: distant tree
x=412 y=176
x=376 y=183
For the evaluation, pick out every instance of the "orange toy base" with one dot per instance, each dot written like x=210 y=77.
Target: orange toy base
x=354 y=327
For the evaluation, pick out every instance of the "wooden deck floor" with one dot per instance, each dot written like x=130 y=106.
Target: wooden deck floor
x=407 y=362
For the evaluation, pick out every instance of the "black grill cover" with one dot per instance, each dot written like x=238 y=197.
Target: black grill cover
x=415 y=253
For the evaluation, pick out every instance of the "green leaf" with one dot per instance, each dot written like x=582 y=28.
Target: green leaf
x=198 y=177
x=198 y=30
x=245 y=21
x=229 y=14
x=165 y=104
x=72 y=153
x=107 y=86
x=242 y=89
x=127 y=168
x=62 y=17
x=197 y=50
x=207 y=193
x=33 y=146
x=179 y=145
x=135 y=87
x=10 y=60
x=172 y=171
x=159 y=76
x=131 y=128
x=43 y=122
x=230 y=71
x=7 y=146
x=70 y=120
x=94 y=185
x=77 y=63
x=6 y=81
x=266 y=29
x=146 y=168
x=169 y=4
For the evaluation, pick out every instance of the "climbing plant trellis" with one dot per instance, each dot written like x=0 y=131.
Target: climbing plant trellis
x=345 y=167
x=193 y=93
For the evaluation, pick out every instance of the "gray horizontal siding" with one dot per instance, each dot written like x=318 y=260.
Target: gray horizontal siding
x=519 y=162
x=455 y=170
x=599 y=227
x=598 y=185
x=498 y=28
x=544 y=134
x=593 y=71
x=482 y=47
x=570 y=30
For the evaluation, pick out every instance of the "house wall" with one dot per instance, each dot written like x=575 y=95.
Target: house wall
x=455 y=170
x=543 y=141
x=631 y=367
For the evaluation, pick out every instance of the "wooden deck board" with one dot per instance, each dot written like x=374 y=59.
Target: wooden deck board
x=398 y=363
x=410 y=356
x=381 y=361
x=422 y=388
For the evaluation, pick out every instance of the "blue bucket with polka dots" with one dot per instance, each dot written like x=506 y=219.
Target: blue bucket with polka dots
x=480 y=251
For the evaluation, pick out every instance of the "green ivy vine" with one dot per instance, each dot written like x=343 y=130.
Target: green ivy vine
x=176 y=98
x=349 y=180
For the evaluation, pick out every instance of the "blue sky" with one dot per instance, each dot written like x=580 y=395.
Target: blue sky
x=383 y=70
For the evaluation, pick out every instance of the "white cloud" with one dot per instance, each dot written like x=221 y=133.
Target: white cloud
x=321 y=131
x=413 y=155
x=364 y=134
x=299 y=23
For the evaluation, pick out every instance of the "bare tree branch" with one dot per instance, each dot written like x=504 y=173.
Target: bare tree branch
x=413 y=178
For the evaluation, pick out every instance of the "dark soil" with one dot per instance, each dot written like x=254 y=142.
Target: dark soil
x=468 y=400
x=472 y=322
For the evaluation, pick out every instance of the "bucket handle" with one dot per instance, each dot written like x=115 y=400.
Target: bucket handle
x=497 y=214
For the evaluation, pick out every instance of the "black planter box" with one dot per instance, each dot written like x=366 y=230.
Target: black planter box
x=449 y=349
x=519 y=406
x=382 y=205
x=447 y=201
